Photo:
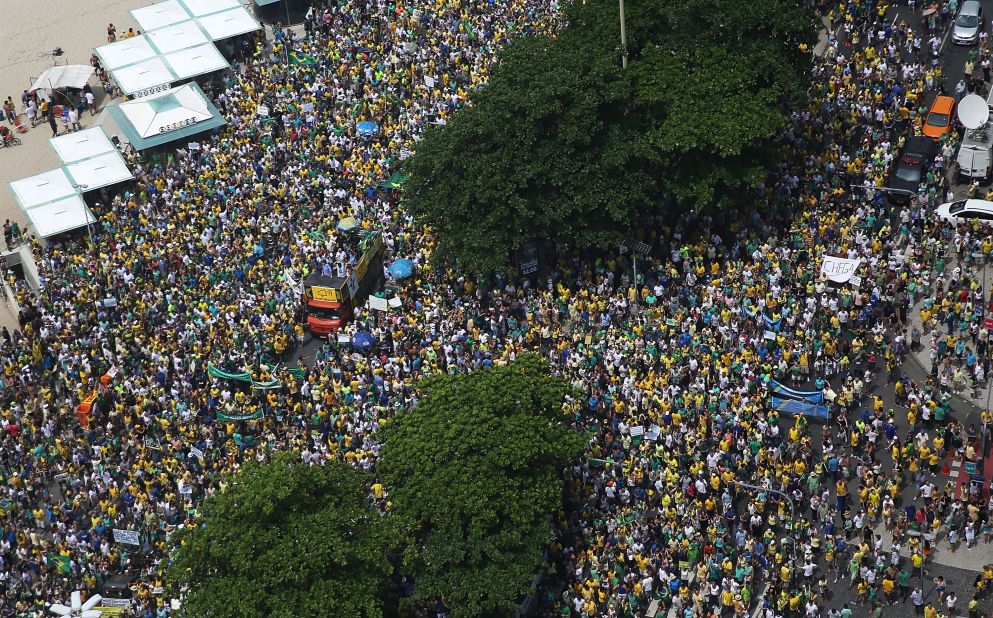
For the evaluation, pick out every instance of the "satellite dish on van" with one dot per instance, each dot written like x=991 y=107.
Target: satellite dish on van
x=973 y=111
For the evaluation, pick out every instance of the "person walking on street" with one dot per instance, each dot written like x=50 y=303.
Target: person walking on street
x=53 y=124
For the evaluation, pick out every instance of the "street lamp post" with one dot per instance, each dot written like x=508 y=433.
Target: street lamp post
x=624 y=39
x=789 y=501
x=86 y=216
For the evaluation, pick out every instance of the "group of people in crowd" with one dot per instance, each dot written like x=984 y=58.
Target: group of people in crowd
x=697 y=498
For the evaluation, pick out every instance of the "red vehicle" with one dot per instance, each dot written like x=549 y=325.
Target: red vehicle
x=329 y=302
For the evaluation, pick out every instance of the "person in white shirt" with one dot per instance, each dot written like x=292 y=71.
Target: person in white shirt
x=91 y=103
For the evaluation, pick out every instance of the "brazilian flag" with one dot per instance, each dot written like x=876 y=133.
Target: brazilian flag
x=302 y=59
x=62 y=563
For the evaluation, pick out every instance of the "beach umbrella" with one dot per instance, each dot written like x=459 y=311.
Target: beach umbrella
x=363 y=341
x=348 y=224
x=367 y=127
x=401 y=269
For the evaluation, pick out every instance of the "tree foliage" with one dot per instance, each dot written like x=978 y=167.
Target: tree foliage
x=286 y=539
x=562 y=144
x=473 y=470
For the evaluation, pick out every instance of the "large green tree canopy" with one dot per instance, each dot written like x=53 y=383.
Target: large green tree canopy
x=473 y=471
x=286 y=539
x=564 y=145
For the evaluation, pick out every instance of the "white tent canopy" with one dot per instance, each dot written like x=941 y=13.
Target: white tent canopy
x=99 y=171
x=60 y=216
x=42 y=188
x=64 y=76
x=150 y=115
x=159 y=15
x=199 y=8
x=81 y=145
x=123 y=53
x=147 y=74
x=195 y=61
x=229 y=23
x=177 y=37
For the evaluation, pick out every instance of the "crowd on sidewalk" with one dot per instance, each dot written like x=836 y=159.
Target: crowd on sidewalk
x=203 y=261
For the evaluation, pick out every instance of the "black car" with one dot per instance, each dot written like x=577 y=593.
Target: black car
x=911 y=167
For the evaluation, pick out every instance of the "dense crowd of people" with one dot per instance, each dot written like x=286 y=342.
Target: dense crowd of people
x=697 y=495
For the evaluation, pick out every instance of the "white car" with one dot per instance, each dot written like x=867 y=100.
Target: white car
x=965 y=210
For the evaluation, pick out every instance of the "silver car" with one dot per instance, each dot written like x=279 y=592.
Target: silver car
x=968 y=23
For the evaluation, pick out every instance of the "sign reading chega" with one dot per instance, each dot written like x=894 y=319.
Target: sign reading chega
x=839 y=269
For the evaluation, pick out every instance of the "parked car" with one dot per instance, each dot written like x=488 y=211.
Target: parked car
x=968 y=23
x=938 y=121
x=906 y=176
x=964 y=210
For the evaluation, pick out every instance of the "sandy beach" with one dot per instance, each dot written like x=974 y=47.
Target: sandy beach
x=30 y=34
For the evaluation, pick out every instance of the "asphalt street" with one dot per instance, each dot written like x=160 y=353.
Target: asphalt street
x=952 y=58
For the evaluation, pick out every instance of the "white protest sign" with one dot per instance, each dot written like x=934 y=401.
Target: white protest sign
x=394 y=302
x=429 y=81
x=856 y=281
x=637 y=430
x=769 y=335
x=105 y=602
x=195 y=452
x=379 y=304
x=838 y=269
x=127 y=537
x=307 y=108
x=263 y=110
x=653 y=433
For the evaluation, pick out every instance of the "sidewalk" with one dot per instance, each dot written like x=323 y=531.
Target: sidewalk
x=980 y=398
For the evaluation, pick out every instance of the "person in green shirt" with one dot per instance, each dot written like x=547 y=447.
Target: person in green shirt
x=846 y=611
x=903 y=583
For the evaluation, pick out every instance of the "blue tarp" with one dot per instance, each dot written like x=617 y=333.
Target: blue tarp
x=816 y=397
x=794 y=407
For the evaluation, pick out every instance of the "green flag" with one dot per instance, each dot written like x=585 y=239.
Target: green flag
x=62 y=563
x=302 y=59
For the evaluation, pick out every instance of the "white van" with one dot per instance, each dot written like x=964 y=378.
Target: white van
x=974 y=159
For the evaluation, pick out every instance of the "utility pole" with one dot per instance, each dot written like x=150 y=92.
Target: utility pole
x=624 y=38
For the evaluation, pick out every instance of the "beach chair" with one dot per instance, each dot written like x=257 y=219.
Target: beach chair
x=19 y=126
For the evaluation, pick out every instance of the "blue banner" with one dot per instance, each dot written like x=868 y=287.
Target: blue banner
x=771 y=324
x=794 y=407
x=807 y=396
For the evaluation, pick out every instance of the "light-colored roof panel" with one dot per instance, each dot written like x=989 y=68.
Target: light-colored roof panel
x=64 y=76
x=61 y=216
x=229 y=23
x=177 y=37
x=148 y=74
x=167 y=116
x=122 y=53
x=81 y=144
x=195 y=61
x=100 y=171
x=199 y=8
x=39 y=189
x=160 y=15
